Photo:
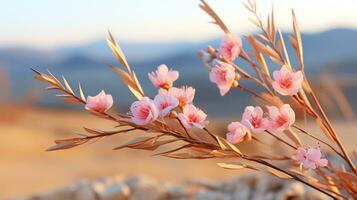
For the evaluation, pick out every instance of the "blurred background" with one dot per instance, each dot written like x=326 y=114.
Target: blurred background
x=68 y=38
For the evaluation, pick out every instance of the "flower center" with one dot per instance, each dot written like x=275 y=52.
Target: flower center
x=164 y=105
x=256 y=122
x=193 y=118
x=223 y=75
x=281 y=120
x=144 y=112
x=286 y=82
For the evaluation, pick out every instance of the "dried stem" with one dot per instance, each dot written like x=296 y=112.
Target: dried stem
x=310 y=135
x=281 y=140
x=294 y=177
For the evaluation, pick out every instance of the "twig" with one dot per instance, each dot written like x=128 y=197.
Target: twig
x=281 y=140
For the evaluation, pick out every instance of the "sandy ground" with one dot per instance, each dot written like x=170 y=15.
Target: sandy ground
x=26 y=168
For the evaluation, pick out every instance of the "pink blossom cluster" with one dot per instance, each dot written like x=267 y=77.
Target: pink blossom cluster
x=222 y=72
x=255 y=120
x=169 y=98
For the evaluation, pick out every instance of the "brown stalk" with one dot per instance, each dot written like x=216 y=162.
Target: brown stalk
x=294 y=177
x=183 y=127
x=316 y=138
x=333 y=132
x=281 y=140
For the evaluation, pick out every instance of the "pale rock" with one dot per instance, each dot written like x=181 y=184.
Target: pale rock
x=82 y=190
x=144 y=188
x=242 y=192
x=177 y=191
x=262 y=196
x=213 y=195
x=291 y=190
x=268 y=184
x=235 y=185
x=208 y=184
x=110 y=189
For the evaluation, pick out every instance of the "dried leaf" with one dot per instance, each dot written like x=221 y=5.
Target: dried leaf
x=224 y=144
x=298 y=39
x=146 y=143
x=139 y=141
x=67 y=86
x=232 y=165
x=253 y=21
x=114 y=46
x=131 y=82
x=205 y=7
x=188 y=155
x=262 y=37
x=92 y=131
x=273 y=27
x=285 y=50
x=81 y=93
x=66 y=144
x=136 y=93
x=262 y=48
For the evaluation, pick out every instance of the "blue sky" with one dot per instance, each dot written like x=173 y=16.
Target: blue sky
x=46 y=24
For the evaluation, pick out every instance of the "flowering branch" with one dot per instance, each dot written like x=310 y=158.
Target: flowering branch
x=189 y=133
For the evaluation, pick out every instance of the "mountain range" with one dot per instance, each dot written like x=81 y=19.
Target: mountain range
x=88 y=62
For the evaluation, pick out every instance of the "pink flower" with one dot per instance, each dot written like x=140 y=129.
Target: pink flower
x=237 y=132
x=165 y=103
x=144 y=111
x=253 y=119
x=185 y=94
x=223 y=75
x=287 y=82
x=230 y=47
x=100 y=103
x=310 y=158
x=163 y=77
x=280 y=119
x=193 y=117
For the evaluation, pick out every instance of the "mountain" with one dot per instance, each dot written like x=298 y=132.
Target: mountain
x=88 y=62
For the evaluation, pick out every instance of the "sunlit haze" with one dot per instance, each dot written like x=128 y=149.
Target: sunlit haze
x=42 y=23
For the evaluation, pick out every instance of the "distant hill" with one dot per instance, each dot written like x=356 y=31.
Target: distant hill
x=88 y=63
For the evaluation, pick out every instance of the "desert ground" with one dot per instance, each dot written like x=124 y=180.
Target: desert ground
x=26 y=168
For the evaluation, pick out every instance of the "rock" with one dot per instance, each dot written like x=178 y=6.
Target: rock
x=238 y=185
x=76 y=191
x=252 y=187
x=82 y=190
x=144 y=188
x=243 y=192
x=213 y=195
x=268 y=184
x=208 y=184
x=291 y=190
x=260 y=196
x=111 y=189
x=178 y=191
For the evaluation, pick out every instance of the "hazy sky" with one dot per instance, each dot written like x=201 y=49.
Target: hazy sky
x=46 y=23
